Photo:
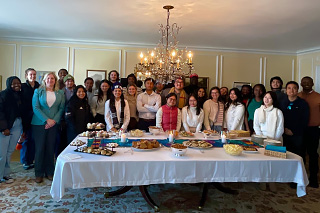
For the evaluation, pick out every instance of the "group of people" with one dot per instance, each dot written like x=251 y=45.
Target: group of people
x=49 y=116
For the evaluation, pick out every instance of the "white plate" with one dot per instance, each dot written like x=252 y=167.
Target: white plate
x=250 y=152
x=185 y=143
x=144 y=150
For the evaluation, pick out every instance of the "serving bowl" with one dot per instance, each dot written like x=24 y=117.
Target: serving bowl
x=154 y=130
x=233 y=149
x=179 y=149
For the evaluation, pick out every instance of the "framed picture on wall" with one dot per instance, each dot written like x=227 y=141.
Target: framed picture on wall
x=41 y=74
x=202 y=82
x=97 y=76
x=239 y=84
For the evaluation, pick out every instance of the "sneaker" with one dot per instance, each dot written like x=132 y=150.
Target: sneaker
x=26 y=166
x=8 y=179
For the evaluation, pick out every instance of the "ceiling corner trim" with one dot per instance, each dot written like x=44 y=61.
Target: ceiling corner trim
x=145 y=45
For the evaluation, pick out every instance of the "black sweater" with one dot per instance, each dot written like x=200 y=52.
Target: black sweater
x=27 y=94
x=296 y=115
x=77 y=115
x=10 y=106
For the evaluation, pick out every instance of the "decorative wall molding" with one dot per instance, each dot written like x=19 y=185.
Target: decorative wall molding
x=221 y=66
x=41 y=46
x=145 y=45
x=292 y=71
x=260 y=81
x=14 y=57
x=299 y=65
x=264 y=70
x=100 y=49
x=308 y=51
x=217 y=71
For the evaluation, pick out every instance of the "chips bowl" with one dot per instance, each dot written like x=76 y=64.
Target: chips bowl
x=233 y=149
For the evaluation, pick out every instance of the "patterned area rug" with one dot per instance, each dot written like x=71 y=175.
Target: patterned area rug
x=24 y=195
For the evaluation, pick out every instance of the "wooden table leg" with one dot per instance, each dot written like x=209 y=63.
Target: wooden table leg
x=203 y=196
x=146 y=196
x=119 y=191
x=227 y=190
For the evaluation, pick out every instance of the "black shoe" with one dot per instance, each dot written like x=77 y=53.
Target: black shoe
x=314 y=184
x=26 y=166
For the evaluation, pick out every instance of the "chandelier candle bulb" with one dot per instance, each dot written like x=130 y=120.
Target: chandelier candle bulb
x=190 y=57
x=178 y=63
x=141 y=57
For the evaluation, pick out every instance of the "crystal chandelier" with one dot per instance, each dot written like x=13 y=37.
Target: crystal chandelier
x=166 y=61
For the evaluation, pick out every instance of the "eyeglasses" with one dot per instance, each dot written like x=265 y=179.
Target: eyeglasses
x=290 y=106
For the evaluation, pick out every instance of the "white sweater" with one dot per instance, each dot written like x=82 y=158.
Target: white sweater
x=268 y=122
x=108 y=118
x=191 y=119
x=234 y=117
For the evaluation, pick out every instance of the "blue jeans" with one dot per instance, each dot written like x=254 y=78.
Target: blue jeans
x=27 y=151
x=7 y=146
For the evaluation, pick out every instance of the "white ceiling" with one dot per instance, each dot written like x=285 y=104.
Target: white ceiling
x=262 y=25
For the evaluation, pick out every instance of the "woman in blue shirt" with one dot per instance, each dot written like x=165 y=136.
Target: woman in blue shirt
x=48 y=106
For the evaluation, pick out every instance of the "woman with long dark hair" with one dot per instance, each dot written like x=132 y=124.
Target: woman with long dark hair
x=77 y=113
x=213 y=111
x=234 y=115
x=202 y=96
x=254 y=103
x=192 y=115
x=117 y=112
x=98 y=101
x=268 y=118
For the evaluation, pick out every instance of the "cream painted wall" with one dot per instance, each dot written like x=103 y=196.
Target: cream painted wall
x=307 y=64
x=7 y=61
x=77 y=58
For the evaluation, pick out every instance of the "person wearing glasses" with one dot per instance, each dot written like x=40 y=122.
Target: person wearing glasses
x=268 y=119
x=169 y=116
x=296 y=116
x=182 y=96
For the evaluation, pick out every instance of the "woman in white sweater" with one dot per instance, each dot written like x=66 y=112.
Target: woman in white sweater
x=268 y=120
x=192 y=115
x=234 y=116
x=117 y=112
x=213 y=111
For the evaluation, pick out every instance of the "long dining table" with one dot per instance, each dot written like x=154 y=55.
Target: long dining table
x=128 y=167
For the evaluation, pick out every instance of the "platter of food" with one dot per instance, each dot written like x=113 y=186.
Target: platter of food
x=210 y=133
x=250 y=150
x=137 y=133
x=145 y=145
x=197 y=144
x=186 y=134
x=96 y=151
x=95 y=125
x=92 y=134
x=77 y=143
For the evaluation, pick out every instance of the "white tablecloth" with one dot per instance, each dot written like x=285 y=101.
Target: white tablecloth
x=162 y=166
